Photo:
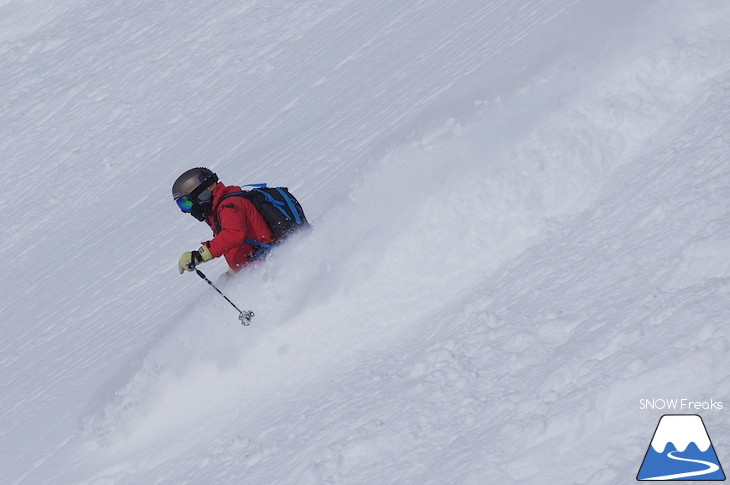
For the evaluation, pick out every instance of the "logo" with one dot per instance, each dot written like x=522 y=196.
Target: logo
x=680 y=404
x=681 y=450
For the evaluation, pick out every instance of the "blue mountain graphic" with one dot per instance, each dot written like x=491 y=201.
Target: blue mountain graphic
x=669 y=463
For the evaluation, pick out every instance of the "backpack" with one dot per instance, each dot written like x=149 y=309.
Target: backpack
x=279 y=208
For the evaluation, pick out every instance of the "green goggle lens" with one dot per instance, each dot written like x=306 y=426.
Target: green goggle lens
x=184 y=203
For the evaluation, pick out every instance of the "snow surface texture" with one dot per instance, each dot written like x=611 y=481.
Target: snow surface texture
x=522 y=228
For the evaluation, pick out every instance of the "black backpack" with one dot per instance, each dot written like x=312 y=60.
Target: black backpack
x=279 y=208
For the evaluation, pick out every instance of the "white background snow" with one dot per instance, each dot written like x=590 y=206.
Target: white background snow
x=522 y=229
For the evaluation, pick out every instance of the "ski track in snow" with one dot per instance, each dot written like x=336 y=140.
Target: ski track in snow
x=711 y=468
x=520 y=214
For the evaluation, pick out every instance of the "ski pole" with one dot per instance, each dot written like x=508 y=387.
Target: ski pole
x=244 y=317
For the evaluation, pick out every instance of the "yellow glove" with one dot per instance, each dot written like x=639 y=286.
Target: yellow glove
x=190 y=259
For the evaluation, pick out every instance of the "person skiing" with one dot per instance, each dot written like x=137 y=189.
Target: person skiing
x=240 y=232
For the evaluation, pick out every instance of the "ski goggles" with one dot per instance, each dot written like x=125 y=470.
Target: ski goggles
x=185 y=203
x=199 y=195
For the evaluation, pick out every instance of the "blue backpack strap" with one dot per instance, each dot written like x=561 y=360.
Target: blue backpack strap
x=240 y=192
x=259 y=244
x=232 y=194
x=276 y=203
x=292 y=208
x=262 y=249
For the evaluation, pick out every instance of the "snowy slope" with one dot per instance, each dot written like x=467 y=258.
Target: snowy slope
x=520 y=219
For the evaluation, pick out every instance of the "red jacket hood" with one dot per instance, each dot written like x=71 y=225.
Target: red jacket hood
x=221 y=190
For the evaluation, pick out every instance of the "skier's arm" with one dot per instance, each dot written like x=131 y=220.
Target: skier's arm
x=231 y=234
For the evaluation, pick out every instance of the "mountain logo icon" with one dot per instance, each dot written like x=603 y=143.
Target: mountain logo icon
x=681 y=450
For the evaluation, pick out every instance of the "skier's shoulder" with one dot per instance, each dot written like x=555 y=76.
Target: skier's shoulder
x=231 y=197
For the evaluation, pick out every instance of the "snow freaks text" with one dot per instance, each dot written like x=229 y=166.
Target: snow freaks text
x=680 y=404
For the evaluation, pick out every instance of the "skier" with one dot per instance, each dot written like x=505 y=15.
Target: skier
x=240 y=233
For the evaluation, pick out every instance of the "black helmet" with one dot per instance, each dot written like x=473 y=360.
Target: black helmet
x=190 y=194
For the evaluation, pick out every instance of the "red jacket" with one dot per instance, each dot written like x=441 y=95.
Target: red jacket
x=238 y=220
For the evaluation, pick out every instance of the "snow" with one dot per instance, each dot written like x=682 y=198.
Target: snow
x=681 y=431
x=520 y=218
